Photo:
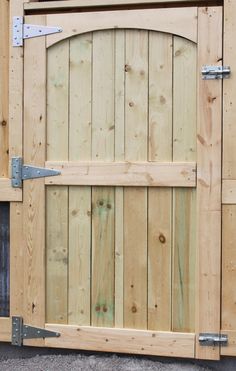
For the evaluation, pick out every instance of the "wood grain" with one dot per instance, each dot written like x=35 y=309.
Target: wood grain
x=135 y=199
x=209 y=182
x=5 y=332
x=184 y=200
x=133 y=341
x=182 y=21
x=129 y=173
x=103 y=201
x=80 y=126
x=8 y=193
x=160 y=199
x=4 y=88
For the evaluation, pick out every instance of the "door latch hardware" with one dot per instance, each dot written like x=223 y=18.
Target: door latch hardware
x=23 y=31
x=22 y=172
x=21 y=332
x=215 y=72
x=211 y=340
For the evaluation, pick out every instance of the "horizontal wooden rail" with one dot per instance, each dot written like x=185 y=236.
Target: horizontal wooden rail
x=103 y=3
x=150 y=174
x=169 y=344
x=5 y=329
x=229 y=191
x=7 y=193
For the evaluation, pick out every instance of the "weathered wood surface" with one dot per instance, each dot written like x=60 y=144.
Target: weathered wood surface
x=4 y=260
x=123 y=340
x=209 y=136
x=5 y=329
x=182 y=21
x=4 y=88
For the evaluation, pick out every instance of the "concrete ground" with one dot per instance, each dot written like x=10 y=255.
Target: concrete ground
x=36 y=359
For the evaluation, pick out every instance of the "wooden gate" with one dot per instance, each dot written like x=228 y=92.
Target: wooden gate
x=122 y=250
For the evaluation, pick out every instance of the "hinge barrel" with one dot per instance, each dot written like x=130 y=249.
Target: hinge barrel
x=208 y=339
x=215 y=72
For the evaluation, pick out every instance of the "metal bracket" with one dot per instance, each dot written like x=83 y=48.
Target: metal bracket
x=21 y=332
x=215 y=72
x=22 y=172
x=211 y=340
x=23 y=31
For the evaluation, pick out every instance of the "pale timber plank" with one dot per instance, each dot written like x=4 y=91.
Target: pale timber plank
x=182 y=21
x=91 y=3
x=57 y=197
x=229 y=191
x=119 y=191
x=229 y=94
x=4 y=87
x=15 y=149
x=166 y=174
x=123 y=341
x=57 y=255
x=34 y=190
x=5 y=329
x=209 y=182
x=160 y=200
x=7 y=193
x=80 y=197
x=228 y=268
x=103 y=203
x=184 y=201
x=135 y=199
x=230 y=349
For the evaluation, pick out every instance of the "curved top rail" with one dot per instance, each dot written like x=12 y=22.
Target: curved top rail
x=178 y=21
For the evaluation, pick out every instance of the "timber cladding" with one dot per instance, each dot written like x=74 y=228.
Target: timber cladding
x=122 y=251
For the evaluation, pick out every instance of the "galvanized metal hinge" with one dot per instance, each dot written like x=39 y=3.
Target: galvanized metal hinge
x=22 y=172
x=215 y=72
x=20 y=332
x=211 y=340
x=23 y=31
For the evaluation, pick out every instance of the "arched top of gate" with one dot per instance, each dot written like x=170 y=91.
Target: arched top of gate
x=178 y=21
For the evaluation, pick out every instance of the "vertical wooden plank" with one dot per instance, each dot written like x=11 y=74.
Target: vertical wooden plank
x=229 y=110
x=80 y=197
x=119 y=192
x=4 y=89
x=34 y=190
x=103 y=197
x=160 y=200
x=135 y=199
x=184 y=201
x=228 y=268
x=4 y=260
x=15 y=149
x=228 y=322
x=57 y=254
x=209 y=181
x=57 y=197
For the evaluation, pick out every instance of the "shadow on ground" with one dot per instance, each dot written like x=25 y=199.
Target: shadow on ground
x=37 y=359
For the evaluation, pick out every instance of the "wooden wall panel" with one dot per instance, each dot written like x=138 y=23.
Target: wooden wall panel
x=4 y=89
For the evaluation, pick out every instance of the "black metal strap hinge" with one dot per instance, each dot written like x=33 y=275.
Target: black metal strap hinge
x=22 y=172
x=21 y=332
x=211 y=340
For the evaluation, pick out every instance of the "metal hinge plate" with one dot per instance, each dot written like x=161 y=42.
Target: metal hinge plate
x=211 y=340
x=22 y=172
x=21 y=332
x=23 y=31
x=215 y=72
